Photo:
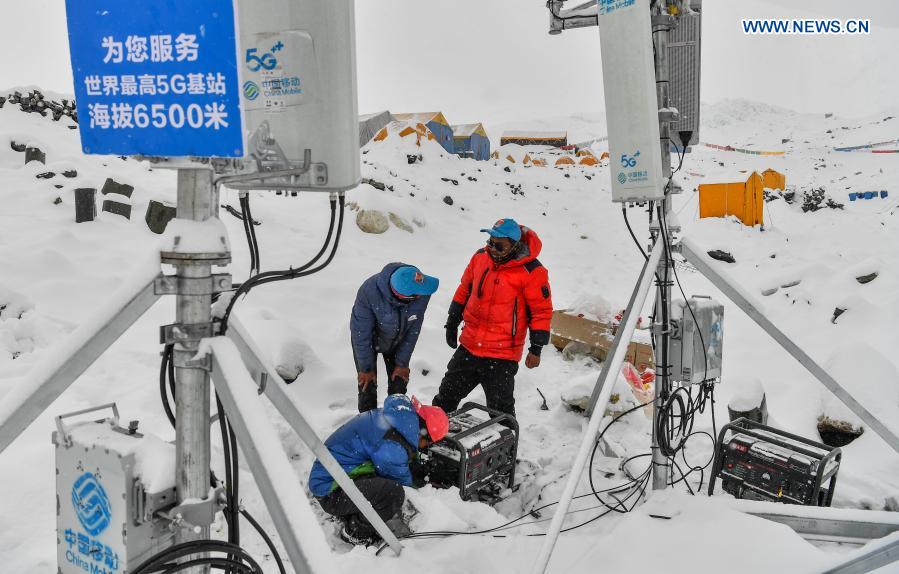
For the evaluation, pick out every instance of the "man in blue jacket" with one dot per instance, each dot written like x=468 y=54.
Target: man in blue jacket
x=375 y=449
x=387 y=315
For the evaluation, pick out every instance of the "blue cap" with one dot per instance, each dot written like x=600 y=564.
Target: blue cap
x=409 y=282
x=505 y=228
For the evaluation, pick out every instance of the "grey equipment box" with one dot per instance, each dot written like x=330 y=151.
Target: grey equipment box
x=106 y=515
x=687 y=358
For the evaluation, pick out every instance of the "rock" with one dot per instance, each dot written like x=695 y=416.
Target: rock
x=453 y=181
x=507 y=169
x=117 y=207
x=418 y=222
x=784 y=140
x=158 y=216
x=112 y=186
x=17 y=146
x=769 y=291
x=35 y=154
x=836 y=313
x=85 y=204
x=748 y=401
x=837 y=433
x=375 y=184
x=722 y=256
x=46 y=175
x=70 y=173
x=57 y=201
x=447 y=200
x=867 y=278
x=400 y=222
x=372 y=221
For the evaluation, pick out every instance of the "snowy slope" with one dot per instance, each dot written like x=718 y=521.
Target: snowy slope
x=58 y=273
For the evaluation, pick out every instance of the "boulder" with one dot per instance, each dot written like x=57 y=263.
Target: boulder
x=400 y=222
x=158 y=216
x=117 y=207
x=85 y=204
x=372 y=221
x=112 y=186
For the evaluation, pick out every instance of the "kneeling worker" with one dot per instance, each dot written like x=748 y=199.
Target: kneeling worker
x=375 y=448
x=387 y=315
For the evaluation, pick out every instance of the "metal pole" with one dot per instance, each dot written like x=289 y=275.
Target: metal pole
x=615 y=359
x=282 y=493
x=276 y=391
x=196 y=202
x=870 y=559
x=45 y=382
x=694 y=255
x=661 y=24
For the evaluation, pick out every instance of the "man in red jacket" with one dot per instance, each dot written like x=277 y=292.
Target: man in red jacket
x=504 y=292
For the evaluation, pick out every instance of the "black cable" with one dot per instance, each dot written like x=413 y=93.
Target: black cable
x=282 y=275
x=167 y=366
x=266 y=538
x=253 y=237
x=162 y=561
x=247 y=226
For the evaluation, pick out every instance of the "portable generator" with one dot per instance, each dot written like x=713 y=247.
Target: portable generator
x=758 y=462
x=477 y=455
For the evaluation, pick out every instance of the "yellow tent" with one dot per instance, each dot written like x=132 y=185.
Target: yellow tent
x=774 y=179
x=589 y=160
x=539 y=162
x=564 y=160
x=584 y=152
x=605 y=155
x=743 y=199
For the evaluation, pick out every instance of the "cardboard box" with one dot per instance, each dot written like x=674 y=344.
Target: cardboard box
x=597 y=336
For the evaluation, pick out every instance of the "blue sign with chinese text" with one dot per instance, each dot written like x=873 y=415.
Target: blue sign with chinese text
x=156 y=77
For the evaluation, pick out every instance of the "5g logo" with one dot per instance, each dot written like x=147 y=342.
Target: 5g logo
x=629 y=161
x=265 y=62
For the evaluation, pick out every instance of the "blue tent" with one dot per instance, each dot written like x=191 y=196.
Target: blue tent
x=436 y=122
x=470 y=140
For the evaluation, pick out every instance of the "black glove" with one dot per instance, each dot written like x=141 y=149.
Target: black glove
x=452 y=324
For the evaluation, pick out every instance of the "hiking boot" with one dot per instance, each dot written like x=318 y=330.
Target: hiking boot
x=399 y=527
x=356 y=530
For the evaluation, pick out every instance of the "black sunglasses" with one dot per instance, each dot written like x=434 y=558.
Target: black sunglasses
x=496 y=246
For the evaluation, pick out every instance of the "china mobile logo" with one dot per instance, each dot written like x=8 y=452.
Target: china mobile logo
x=91 y=504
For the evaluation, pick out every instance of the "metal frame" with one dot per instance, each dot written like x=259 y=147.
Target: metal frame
x=47 y=382
x=869 y=560
x=255 y=435
x=604 y=389
x=702 y=262
x=272 y=385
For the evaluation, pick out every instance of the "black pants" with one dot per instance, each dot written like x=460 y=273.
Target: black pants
x=368 y=399
x=466 y=371
x=385 y=495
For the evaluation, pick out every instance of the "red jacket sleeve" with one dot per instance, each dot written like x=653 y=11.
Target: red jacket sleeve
x=538 y=298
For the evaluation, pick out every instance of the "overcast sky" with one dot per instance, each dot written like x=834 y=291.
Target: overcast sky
x=492 y=60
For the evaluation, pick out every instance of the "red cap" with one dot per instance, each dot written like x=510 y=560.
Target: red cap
x=435 y=419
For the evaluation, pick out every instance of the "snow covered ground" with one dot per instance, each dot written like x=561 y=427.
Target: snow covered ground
x=58 y=274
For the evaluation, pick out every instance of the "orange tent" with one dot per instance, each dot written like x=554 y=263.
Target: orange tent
x=605 y=155
x=564 y=160
x=589 y=160
x=743 y=199
x=510 y=158
x=584 y=152
x=774 y=179
x=539 y=162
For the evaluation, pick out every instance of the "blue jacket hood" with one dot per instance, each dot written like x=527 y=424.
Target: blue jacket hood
x=384 y=283
x=399 y=413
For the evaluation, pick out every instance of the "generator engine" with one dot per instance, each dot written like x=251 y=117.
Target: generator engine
x=758 y=462
x=477 y=455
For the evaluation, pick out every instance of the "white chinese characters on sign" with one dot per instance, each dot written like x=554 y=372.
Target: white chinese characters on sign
x=196 y=83
x=123 y=115
x=157 y=48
